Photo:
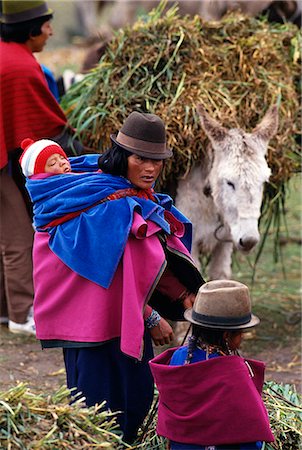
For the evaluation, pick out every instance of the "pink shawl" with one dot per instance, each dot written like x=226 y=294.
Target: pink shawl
x=70 y=307
x=211 y=402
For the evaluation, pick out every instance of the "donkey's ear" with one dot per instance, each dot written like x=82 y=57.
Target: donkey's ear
x=213 y=129
x=268 y=126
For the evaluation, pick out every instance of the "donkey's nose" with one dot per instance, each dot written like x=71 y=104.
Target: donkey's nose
x=247 y=243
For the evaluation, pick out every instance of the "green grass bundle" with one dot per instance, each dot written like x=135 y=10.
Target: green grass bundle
x=29 y=421
x=285 y=413
x=166 y=64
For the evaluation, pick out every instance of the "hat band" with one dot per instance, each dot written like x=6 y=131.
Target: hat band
x=138 y=144
x=23 y=16
x=224 y=321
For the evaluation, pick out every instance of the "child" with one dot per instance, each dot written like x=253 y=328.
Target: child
x=43 y=156
x=210 y=397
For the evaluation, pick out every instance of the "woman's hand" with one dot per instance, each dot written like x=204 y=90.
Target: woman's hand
x=189 y=300
x=162 y=333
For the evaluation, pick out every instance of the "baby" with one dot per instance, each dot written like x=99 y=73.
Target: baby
x=43 y=156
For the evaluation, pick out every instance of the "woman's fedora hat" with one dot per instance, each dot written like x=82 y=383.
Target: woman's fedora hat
x=16 y=11
x=143 y=134
x=222 y=304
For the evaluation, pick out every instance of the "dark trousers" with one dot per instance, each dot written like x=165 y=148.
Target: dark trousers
x=16 y=238
x=105 y=373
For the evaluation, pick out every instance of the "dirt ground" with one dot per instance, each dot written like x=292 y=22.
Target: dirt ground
x=22 y=360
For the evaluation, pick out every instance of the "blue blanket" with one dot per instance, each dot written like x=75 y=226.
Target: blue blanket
x=92 y=243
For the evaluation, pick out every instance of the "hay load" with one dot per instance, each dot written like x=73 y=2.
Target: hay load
x=166 y=64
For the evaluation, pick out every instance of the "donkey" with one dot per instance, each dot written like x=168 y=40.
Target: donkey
x=222 y=196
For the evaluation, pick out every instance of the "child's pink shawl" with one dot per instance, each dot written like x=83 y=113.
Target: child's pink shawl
x=212 y=402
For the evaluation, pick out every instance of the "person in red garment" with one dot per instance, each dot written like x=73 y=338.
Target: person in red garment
x=28 y=109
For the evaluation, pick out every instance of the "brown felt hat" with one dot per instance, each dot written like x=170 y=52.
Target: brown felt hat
x=143 y=134
x=222 y=304
x=16 y=11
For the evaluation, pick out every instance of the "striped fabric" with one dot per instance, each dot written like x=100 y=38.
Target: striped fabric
x=27 y=107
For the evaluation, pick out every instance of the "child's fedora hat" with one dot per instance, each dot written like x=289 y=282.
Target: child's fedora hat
x=222 y=304
x=143 y=134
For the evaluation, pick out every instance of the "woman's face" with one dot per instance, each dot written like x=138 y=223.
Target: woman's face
x=37 y=43
x=143 y=172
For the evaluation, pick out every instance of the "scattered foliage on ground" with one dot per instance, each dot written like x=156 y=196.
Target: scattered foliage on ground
x=285 y=413
x=30 y=421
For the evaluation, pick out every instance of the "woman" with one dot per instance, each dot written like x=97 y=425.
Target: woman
x=107 y=250
x=218 y=404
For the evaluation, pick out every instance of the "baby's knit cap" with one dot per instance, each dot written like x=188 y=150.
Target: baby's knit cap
x=36 y=153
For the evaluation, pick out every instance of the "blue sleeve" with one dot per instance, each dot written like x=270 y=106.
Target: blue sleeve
x=51 y=81
x=179 y=357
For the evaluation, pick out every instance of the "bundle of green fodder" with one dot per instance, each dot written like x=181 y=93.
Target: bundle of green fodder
x=31 y=421
x=166 y=64
x=285 y=413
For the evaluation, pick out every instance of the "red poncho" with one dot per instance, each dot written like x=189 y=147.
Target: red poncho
x=211 y=402
x=27 y=106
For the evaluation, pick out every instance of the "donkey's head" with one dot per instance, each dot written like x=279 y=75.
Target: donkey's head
x=238 y=174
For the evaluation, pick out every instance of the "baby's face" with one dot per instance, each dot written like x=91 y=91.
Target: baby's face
x=56 y=163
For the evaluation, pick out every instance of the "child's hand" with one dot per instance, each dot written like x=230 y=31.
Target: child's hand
x=162 y=333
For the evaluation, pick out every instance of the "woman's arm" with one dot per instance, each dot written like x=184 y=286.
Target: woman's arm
x=170 y=286
x=160 y=330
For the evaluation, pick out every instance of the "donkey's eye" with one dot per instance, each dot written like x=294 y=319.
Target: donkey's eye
x=229 y=183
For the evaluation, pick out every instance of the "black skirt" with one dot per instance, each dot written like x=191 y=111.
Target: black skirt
x=105 y=373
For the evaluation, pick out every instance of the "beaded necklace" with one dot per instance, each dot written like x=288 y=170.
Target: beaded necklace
x=209 y=349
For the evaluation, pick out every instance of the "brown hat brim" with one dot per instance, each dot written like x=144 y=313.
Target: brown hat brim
x=252 y=323
x=145 y=154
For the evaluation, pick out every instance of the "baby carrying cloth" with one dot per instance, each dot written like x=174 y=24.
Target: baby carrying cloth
x=98 y=235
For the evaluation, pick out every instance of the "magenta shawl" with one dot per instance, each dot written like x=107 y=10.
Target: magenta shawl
x=211 y=402
x=70 y=307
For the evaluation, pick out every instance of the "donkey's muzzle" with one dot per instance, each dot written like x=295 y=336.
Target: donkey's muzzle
x=246 y=243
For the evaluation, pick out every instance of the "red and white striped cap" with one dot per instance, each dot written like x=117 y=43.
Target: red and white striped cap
x=36 y=153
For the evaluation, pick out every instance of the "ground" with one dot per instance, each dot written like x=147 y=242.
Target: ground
x=22 y=360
